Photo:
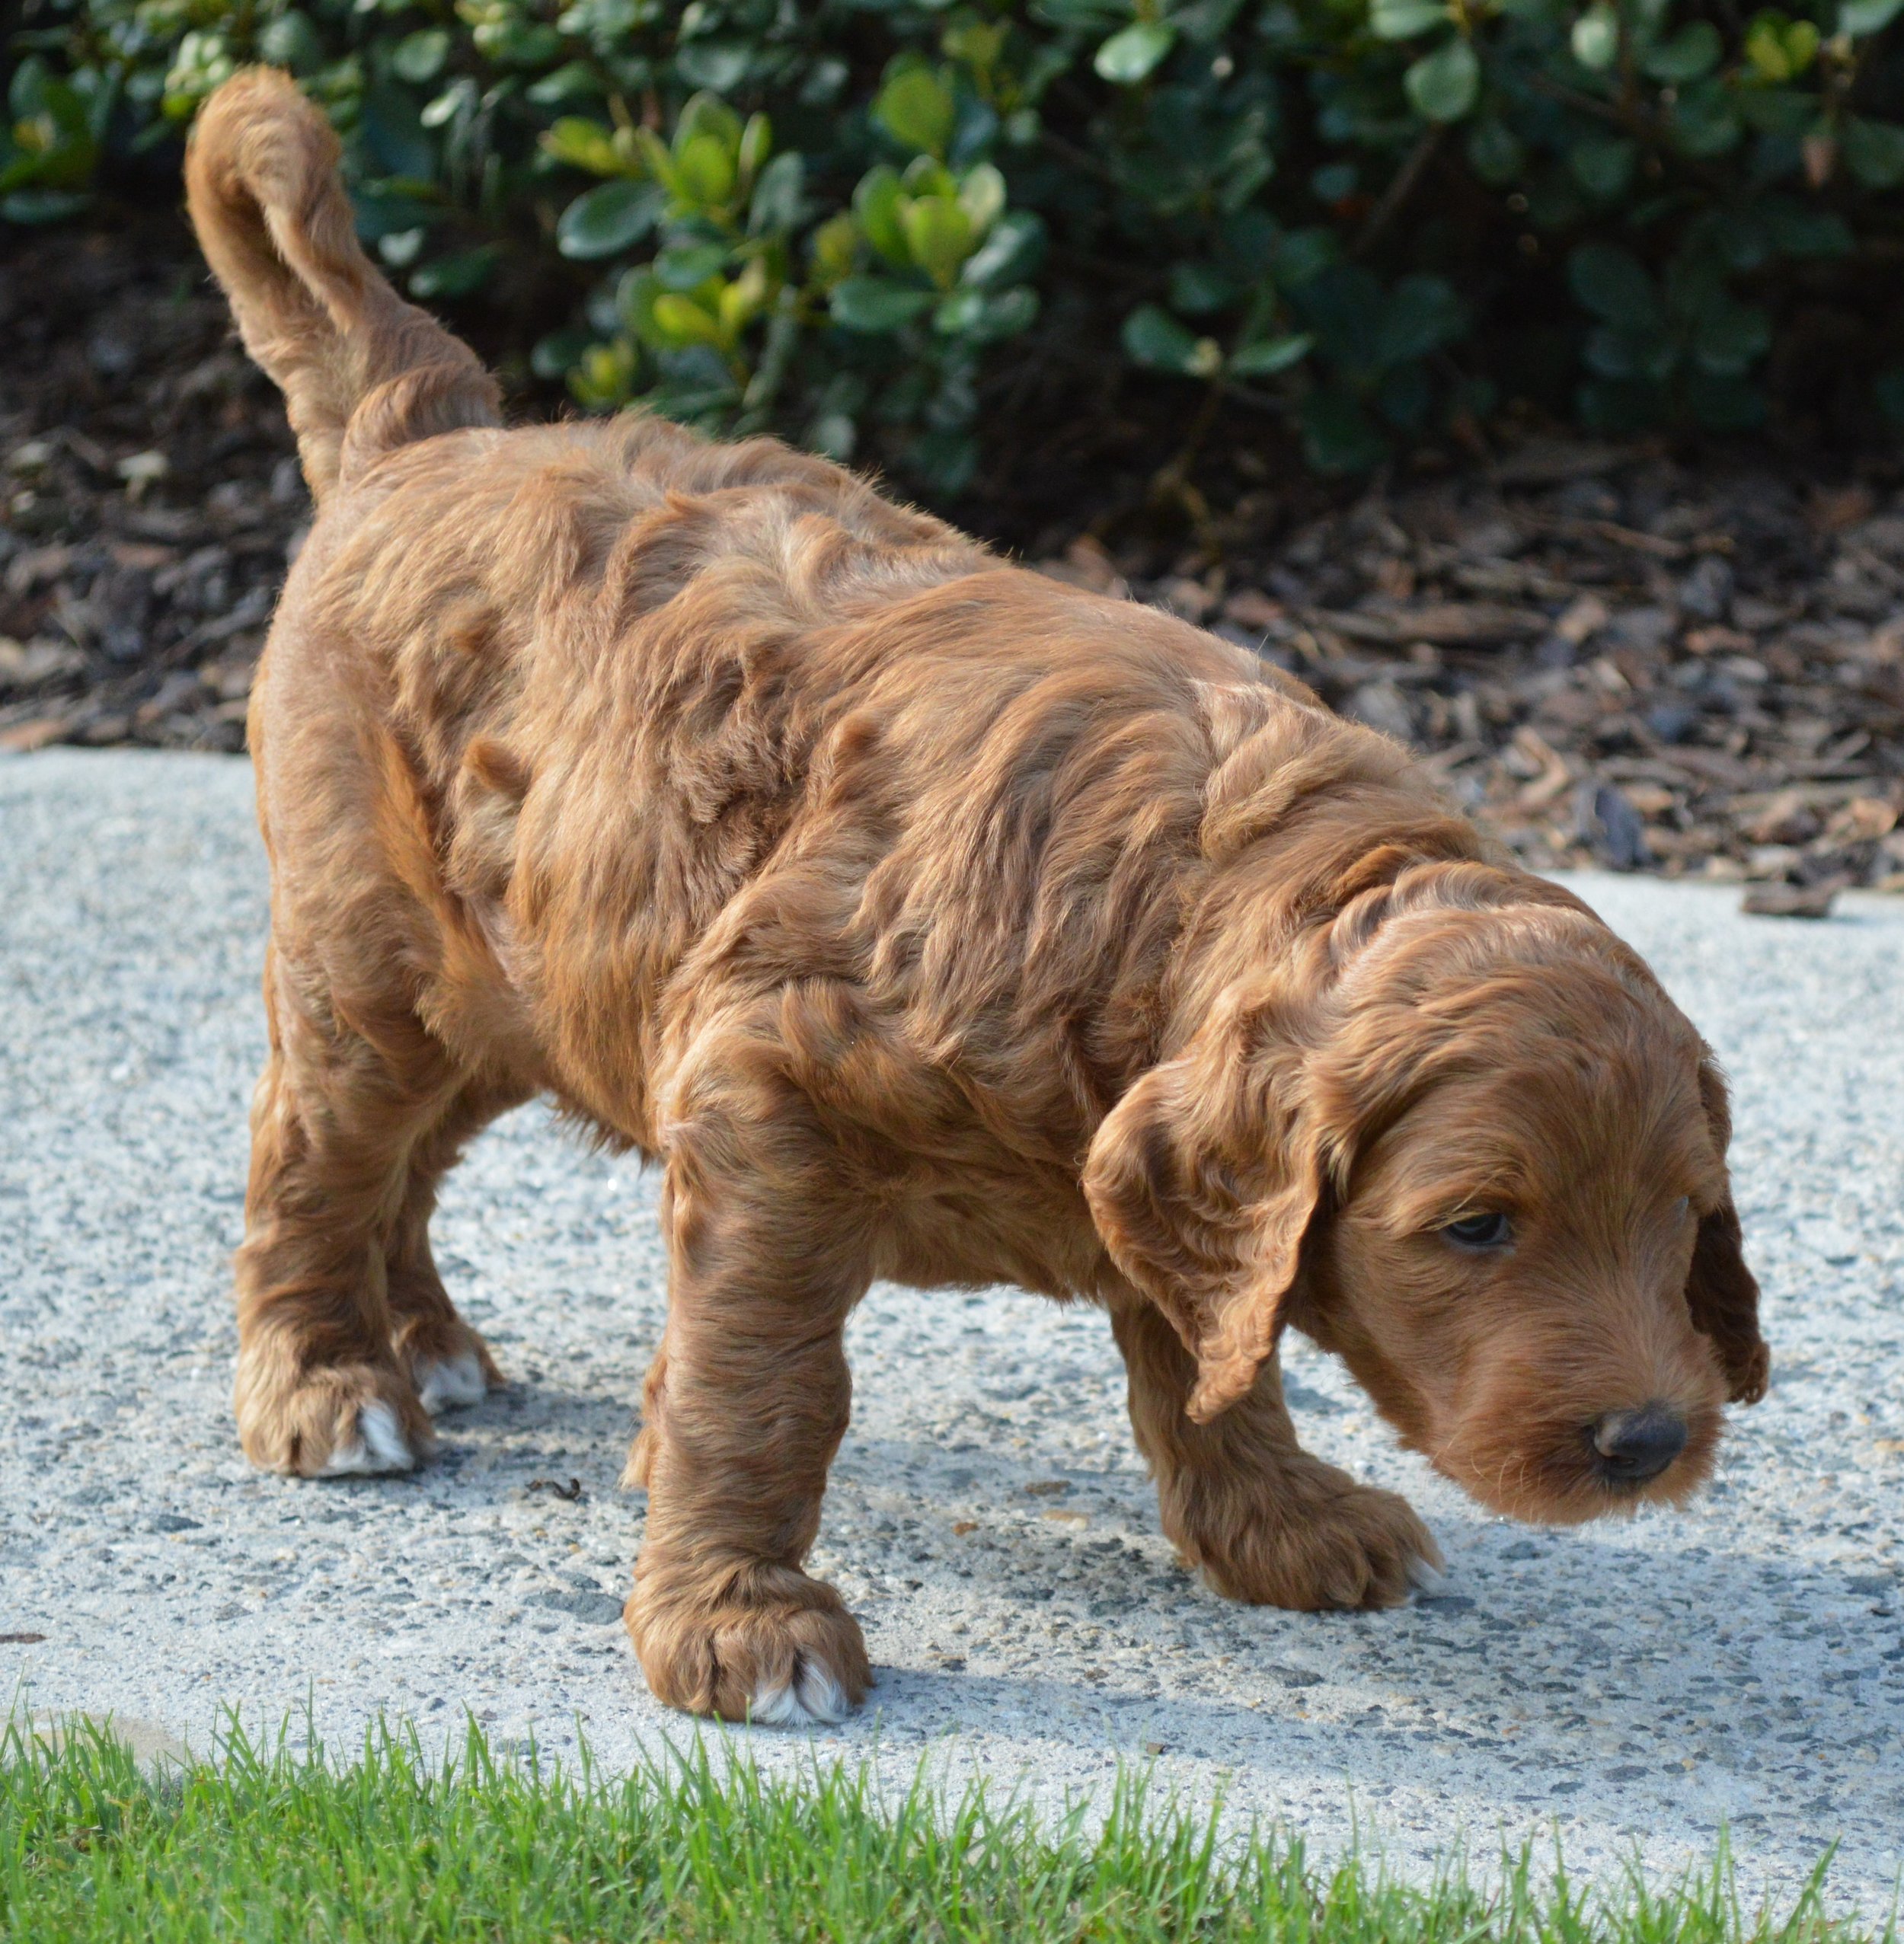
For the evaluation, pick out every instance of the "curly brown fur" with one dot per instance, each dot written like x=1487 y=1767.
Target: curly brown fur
x=924 y=919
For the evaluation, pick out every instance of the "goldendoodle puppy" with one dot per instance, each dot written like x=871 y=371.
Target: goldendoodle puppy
x=921 y=918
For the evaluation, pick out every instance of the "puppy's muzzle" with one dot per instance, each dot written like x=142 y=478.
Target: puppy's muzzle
x=1631 y=1447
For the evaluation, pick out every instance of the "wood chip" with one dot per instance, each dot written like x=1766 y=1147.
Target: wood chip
x=1584 y=617
x=1553 y=462
x=1789 y=900
x=1452 y=623
x=24 y=738
x=1249 y=607
x=1447 y=623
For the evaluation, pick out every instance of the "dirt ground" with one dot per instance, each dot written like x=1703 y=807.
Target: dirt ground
x=1615 y=655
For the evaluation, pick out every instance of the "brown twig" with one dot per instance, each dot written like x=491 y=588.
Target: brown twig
x=1399 y=190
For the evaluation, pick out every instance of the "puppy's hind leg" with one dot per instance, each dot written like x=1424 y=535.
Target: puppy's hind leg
x=1262 y=1520
x=448 y=1362
x=348 y=1091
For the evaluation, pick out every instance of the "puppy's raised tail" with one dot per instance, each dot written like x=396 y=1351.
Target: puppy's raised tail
x=362 y=372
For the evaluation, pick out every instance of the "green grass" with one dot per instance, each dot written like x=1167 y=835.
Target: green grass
x=274 y=1845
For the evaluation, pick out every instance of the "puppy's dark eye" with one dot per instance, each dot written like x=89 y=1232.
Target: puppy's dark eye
x=1488 y=1231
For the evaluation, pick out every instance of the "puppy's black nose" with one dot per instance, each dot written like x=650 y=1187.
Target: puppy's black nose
x=1635 y=1446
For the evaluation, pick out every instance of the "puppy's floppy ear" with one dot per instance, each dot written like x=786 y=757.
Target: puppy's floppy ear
x=1201 y=1181
x=1721 y=1291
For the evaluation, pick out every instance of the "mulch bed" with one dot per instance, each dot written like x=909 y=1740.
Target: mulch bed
x=1613 y=656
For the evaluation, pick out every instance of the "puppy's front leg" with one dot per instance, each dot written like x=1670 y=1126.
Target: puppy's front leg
x=1263 y=1520
x=745 y=1410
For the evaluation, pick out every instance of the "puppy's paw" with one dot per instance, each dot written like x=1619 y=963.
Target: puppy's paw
x=1337 y=1544
x=448 y=1362
x=793 y=1657
x=351 y=1419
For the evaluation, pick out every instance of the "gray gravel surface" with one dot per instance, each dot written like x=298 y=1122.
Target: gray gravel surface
x=1636 y=1685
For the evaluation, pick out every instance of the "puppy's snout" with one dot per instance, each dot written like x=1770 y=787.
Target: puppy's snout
x=1635 y=1446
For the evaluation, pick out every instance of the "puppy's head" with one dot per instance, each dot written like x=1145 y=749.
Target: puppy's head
x=1469 y=1144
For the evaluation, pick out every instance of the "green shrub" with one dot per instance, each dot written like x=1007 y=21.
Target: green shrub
x=890 y=227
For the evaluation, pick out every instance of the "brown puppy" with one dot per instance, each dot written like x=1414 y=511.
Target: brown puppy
x=923 y=919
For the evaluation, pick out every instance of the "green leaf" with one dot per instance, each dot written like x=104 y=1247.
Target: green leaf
x=834 y=245
x=1724 y=403
x=1334 y=182
x=603 y=374
x=1422 y=312
x=1613 y=284
x=1406 y=396
x=983 y=317
x=1691 y=54
x=705 y=171
x=584 y=144
x=1603 y=166
x=42 y=205
x=1595 y=38
x=292 y=41
x=1337 y=435
x=876 y=202
x=457 y=274
x=706 y=114
x=872 y=305
x=756 y=145
x=1197 y=288
x=1271 y=355
x=1401 y=19
x=1805 y=233
x=1442 y=86
x=981 y=196
x=1731 y=338
x=1864 y=17
x=938 y=236
x=946 y=460
x=834 y=435
x=925 y=176
x=605 y=221
x=574 y=81
x=397 y=143
x=1153 y=337
x=779 y=195
x=688 y=265
x=553 y=356
x=1303 y=254
x=682 y=321
x=1874 y=152
x=418 y=57
x=721 y=65
x=27 y=92
x=634 y=297
x=1621 y=405
x=916 y=108
x=1127 y=57
x=1495 y=153
x=1011 y=253
x=1704 y=121
x=1790 y=112
x=1779 y=50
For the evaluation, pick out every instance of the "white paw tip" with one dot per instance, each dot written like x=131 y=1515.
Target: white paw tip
x=812 y=1696
x=446 y=1381
x=1427 y=1578
x=379 y=1446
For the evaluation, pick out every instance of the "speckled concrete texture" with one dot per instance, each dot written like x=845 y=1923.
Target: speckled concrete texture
x=1635 y=1684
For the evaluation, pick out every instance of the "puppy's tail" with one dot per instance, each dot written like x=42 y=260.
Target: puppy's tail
x=362 y=372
